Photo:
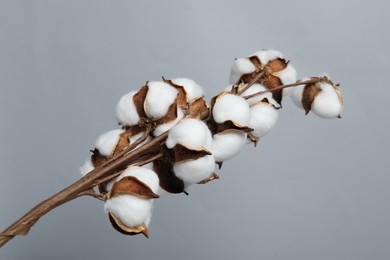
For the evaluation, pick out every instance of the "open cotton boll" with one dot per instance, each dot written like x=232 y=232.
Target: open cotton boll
x=86 y=167
x=297 y=94
x=194 y=171
x=160 y=129
x=241 y=66
x=256 y=99
x=131 y=210
x=147 y=176
x=126 y=112
x=191 y=133
x=231 y=107
x=227 y=144
x=193 y=90
x=327 y=103
x=263 y=119
x=266 y=56
x=159 y=98
x=107 y=142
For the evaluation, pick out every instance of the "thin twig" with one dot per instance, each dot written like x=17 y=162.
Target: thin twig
x=310 y=81
x=253 y=81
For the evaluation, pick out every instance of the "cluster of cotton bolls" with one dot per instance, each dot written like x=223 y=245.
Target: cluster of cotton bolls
x=199 y=136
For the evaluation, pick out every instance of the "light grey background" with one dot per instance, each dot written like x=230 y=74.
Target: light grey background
x=314 y=189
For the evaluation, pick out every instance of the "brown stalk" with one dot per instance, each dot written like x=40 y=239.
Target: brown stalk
x=85 y=185
x=253 y=81
x=310 y=81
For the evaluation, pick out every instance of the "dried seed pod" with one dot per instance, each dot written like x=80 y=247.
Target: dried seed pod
x=230 y=107
x=108 y=142
x=263 y=118
x=192 y=90
x=159 y=98
x=169 y=182
x=170 y=120
x=323 y=98
x=130 y=202
x=126 y=110
x=276 y=71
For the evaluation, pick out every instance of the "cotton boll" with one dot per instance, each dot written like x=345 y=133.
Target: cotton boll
x=266 y=56
x=256 y=99
x=191 y=133
x=231 y=107
x=132 y=211
x=147 y=176
x=327 y=103
x=194 y=171
x=263 y=118
x=160 y=129
x=86 y=167
x=193 y=90
x=159 y=98
x=241 y=66
x=107 y=142
x=126 y=112
x=227 y=144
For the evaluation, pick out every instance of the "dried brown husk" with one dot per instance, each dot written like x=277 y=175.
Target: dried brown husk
x=270 y=78
x=130 y=185
x=169 y=116
x=139 y=99
x=168 y=180
x=182 y=94
x=198 y=108
x=310 y=91
x=131 y=231
x=182 y=153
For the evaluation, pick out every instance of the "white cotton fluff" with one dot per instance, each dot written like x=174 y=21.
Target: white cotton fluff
x=126 y=112
x=159 y=98
x=192 y=89
x=147 y=176
x=297 y=95
x=263 y=119
x=194 y=171
x=191 y=133
x=266 y=56
x=107 y=142
x=160 y=129
x=129 y=209
x=327 y=103
x=240 y=67
x=86 y=167
x=231 y=107
x=227 y=144
x=256 y=99
x=288 y=76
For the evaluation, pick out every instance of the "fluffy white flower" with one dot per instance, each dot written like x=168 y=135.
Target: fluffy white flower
x=159 y=98
x=263 y=118
x=288 y=76
x=107 y=142
x=194 y=171
x=126 y=112
x=327 y=103
x=227 y=144
x=241 y=66
x=192 y=89
x=191 y=133
x=160 y=129
x=231 y=107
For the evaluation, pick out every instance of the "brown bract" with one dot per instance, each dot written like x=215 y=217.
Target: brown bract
x=168 y=180
x=212 y=177
x=310 y=91
x=130 y=185
x=139 y=99
x=182 y=153
x=131 y=231
x=270 y=78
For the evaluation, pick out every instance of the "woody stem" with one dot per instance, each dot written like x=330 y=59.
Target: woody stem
x=253 y=81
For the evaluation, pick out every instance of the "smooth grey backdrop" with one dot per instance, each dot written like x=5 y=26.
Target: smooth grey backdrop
x=313 y=189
